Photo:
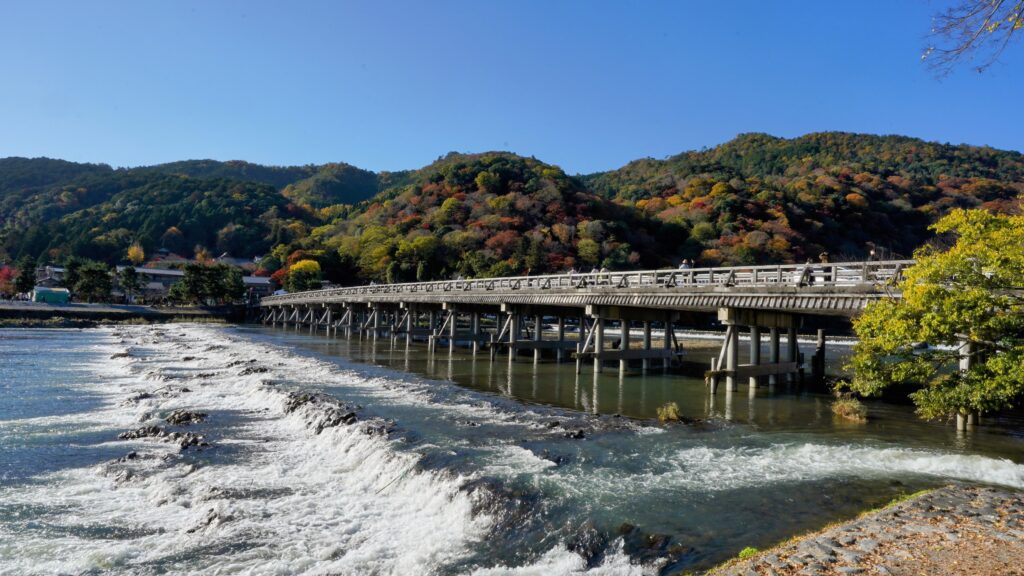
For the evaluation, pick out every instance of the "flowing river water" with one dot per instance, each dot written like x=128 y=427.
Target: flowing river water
x=420 y=464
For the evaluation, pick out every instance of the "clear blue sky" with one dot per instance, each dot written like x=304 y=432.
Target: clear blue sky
x=587 y=85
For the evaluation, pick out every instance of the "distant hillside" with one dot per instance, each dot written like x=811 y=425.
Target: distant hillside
x=755 y=199
x=98 y=212
x=276 y=176
x=26 y=174
x=490 y=214
x=340 y=184
x=316 y=186
x=759 y=198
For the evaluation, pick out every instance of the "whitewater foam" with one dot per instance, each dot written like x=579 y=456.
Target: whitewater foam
x=737 y=467
x=343 y=500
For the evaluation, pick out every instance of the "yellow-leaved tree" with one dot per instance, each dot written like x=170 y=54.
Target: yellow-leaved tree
x=136 y=255
x=957 y=332
x=303 y=275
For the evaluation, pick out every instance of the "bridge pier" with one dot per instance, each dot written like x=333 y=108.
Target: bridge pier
x=793 y=349
x=732 y=358
x=727 y=363
x=966 y=420
x=755 y=355
x=646 y=362
x=773 y=353
x=560 y=351
x=538 y=335
x=818 y=362
x=624 y=328
x=474 y=327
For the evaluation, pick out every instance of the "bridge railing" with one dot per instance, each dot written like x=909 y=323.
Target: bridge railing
x=816 y=274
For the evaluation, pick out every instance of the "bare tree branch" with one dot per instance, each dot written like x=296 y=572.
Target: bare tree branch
x=976 y=31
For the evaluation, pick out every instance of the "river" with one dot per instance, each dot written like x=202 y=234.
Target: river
x=454 y=465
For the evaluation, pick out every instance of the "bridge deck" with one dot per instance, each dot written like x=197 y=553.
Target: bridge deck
x=841 y=289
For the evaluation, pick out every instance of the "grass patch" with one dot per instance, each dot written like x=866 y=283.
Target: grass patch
x=669 y=412
x=747 y=552
x=850 y=409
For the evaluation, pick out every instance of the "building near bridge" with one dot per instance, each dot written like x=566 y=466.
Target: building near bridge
x=156 y=282
x=50 y=295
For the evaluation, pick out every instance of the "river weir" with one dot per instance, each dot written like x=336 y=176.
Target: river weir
x=201 y=449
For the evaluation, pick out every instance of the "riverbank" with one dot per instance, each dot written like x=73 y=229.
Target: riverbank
x=949 y=531
x=80 y=315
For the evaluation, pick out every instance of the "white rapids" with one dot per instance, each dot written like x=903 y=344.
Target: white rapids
x=341 y=502
x=273 y=496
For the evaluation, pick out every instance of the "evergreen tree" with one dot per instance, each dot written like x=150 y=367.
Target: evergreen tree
x=129 y=280
x=25 y=281
x=94 y=282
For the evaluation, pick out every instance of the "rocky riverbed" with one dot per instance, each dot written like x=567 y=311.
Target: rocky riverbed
x=950 y=531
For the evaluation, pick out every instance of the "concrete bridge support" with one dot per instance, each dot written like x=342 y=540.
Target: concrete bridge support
x=773 y=353
x=966 y=420
x=793 y=350
x=593 y=337
x=755 y=356
x=727 y=365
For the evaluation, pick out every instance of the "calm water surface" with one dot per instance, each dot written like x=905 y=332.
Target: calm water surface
x=477 y=474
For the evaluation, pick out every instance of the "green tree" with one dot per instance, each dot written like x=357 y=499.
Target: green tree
x=233 y=285
x=71 y=267
x=205 y=284
x=94 y=282
x=589 y=251
x=25 y=281
x=966 y=304
x=129 y=280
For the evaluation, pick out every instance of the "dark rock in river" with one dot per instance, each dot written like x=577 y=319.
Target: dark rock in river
x=327 y=411
x=139 y=396
x=578 y=434
x=144 y=432
x=558 y=459
x=183 y=440
x=212 y=517
x=253 y=370
x=188 y=439
x=184 y=418
x=590 y=543
x=646 y=547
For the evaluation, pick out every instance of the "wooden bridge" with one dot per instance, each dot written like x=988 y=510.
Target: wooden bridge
x=573 y=315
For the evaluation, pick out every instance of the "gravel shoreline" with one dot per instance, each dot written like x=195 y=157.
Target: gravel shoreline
x=949 y=531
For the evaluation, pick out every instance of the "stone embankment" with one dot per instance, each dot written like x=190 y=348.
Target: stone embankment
x=79 y=315
x=950 y=531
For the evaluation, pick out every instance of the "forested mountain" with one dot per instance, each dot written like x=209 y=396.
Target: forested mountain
x=759 y=198
x=100 y=216
x=276 y=176
x=316 y=186
x=755 y=199
x=341 y=184
x=486 y=215
x=23 y=176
